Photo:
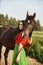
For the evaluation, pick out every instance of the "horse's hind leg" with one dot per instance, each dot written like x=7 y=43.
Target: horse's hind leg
x=0 y=51
x=6 y=55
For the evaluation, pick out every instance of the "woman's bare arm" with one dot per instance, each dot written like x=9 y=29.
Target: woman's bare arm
x=19 y=49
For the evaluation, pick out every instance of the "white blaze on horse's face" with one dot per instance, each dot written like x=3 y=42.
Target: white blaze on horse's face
x=28 y=21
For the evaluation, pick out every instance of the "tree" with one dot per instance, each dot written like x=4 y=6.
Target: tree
x=41 y=28
x=6 y=20
x=2 y=19
x=37 y=26
x=13 y=22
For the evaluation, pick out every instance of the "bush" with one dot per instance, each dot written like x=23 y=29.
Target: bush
x=35 y=50
x=41 y=56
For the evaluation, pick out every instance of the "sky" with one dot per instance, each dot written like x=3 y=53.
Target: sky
x=19 y=8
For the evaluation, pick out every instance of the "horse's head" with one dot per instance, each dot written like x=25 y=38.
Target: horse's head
x=29 y=23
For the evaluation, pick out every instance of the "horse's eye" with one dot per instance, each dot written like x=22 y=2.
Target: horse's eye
x=28 y=21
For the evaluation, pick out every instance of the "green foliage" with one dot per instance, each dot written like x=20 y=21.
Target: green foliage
x=12 y=22
x=42 y=28
x=36 y=48
x=41 y=55
x=4 y=20
x=37 y=26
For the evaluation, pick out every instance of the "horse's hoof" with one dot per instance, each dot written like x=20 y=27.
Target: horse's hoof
x=0 y=62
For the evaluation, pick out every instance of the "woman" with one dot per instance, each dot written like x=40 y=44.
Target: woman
x=20 y=43
x=20 y=27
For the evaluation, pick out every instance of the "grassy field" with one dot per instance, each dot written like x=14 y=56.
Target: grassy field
x=38 y=35
x=36 y=49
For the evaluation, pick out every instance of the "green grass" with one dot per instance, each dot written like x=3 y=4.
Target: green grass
x=38 y=35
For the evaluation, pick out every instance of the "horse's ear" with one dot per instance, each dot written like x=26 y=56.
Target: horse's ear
x=27 y=14
x=34 y=15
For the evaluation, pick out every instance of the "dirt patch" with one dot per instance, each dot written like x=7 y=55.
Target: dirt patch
x=30 y=61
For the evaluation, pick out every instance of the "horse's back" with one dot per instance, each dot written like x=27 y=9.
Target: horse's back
x=8 y=38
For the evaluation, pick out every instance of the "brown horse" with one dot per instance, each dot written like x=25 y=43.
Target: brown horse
x=8 y=34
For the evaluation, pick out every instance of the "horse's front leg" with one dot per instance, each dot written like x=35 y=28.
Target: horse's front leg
x=6 y=55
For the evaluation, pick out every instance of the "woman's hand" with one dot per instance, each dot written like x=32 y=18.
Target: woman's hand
x=19 y=49
x=31 y=40
x=18 y=58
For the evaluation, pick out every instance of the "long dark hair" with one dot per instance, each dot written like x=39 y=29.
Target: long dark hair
x=17 y=30
x=18 y=26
